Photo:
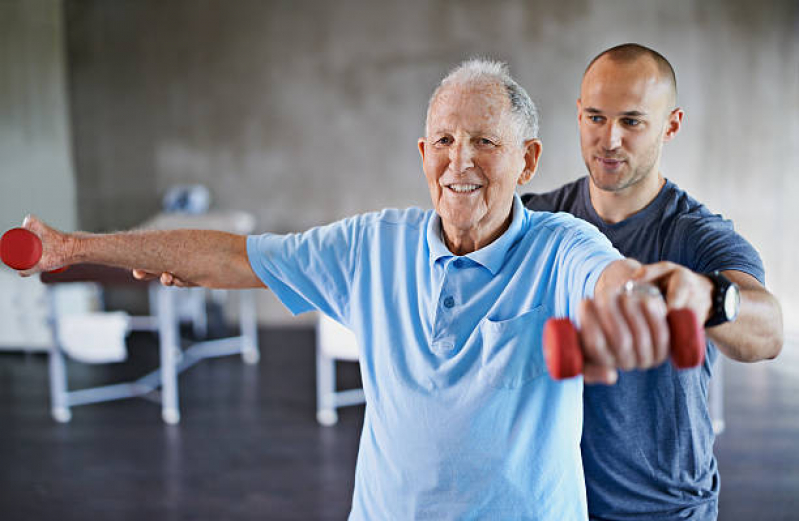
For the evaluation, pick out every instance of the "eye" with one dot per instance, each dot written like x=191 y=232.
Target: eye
x=631 y=122
x=485 y=142
x=593 y=118
x=444 y=140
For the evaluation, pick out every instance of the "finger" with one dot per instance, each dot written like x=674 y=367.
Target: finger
x=654 y=272
x=33 y=224
x=592 y=336
x=167 y=279
x=617 y=332
x=678 y=292
x=143 y=275
x=655 y=313
x=600 y=374
x=632 y=308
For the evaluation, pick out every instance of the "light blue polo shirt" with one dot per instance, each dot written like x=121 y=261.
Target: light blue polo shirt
x=462 y=421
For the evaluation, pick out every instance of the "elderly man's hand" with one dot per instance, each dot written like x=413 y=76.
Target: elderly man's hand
x=623 y=330
x=57 y=247
x=166 y=279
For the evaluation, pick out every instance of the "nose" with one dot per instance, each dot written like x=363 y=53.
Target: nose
x=611 y=137
x=460 y=157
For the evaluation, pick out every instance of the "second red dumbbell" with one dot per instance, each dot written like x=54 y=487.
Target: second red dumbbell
x=564 y=355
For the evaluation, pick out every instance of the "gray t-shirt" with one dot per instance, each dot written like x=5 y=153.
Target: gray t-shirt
x=647 y=441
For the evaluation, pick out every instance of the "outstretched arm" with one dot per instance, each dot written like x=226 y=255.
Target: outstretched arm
x=200 y=257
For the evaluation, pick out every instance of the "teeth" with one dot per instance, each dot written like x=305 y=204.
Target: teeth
x=462 y=188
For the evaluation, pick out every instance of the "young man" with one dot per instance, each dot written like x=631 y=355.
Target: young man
x=647 y=441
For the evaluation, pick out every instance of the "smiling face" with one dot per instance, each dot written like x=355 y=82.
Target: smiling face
x=473 y=160
x=625 y=115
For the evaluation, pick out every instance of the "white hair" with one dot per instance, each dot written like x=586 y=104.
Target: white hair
x=480 y=70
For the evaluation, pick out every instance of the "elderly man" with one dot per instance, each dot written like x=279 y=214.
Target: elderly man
x=462 y=421
x=648 y=441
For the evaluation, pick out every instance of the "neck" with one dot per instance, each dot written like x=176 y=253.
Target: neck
x=461 y=242
x=616 y=206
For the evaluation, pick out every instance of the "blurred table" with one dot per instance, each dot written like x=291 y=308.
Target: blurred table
x=164 y=319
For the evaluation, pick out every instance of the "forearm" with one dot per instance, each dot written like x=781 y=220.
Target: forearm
x=757 y=333
x=207 y=258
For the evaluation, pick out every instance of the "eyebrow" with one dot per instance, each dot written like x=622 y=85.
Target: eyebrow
x=633 y=113
x=476 y=132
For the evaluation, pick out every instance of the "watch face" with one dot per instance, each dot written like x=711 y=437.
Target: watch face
x=732 y=301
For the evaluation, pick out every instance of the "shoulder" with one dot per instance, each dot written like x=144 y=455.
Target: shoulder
x=562 y=226
x=386 y=226
x=684 y=203
x=561 y=199
x=707 y=241
x=354 y=228
x=679 y=216
x=689 y=216
x=414 y=218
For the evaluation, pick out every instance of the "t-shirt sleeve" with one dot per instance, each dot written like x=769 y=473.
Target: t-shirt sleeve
x=584 y=253
x=311 y=270
x=711 y=243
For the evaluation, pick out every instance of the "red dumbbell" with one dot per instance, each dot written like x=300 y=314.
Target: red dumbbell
x=21 y=249
x=564 y=356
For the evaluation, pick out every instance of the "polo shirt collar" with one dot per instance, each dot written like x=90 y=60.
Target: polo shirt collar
x=492 y=257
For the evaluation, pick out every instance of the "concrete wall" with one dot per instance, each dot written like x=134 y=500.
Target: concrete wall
x=36 y=173
x=35 y=161
x=307 y=111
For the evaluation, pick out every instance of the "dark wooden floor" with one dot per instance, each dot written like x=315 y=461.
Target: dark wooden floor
x=248 y=446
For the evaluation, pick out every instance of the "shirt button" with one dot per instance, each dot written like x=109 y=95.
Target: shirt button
x=449 y=302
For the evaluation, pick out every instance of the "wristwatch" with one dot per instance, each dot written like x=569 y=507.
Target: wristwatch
x=726 y=300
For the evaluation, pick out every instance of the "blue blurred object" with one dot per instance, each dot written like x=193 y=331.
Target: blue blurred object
x=191 y=199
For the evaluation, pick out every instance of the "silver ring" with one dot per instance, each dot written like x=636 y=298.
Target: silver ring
x=632 y=287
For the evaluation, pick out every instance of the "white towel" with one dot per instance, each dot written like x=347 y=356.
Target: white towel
x=95 y=337
x=336 y=340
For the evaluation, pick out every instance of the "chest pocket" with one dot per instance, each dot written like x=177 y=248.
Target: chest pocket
x=511 y=354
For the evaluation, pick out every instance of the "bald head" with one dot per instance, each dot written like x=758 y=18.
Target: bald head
x=634 y=54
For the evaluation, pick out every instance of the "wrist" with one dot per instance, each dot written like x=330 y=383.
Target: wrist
x=725 y=300
x=709 y=288
x=75 y=246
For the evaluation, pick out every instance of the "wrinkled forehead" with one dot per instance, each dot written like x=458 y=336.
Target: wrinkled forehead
x=472 y=106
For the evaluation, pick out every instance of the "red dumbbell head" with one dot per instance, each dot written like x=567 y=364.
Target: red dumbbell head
x=20 y=249
x=687 y=338
x=562 y=352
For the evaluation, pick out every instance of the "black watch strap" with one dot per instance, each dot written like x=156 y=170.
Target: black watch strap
x=724 y=292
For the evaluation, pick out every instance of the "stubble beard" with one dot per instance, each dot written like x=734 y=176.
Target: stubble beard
x=623 y=181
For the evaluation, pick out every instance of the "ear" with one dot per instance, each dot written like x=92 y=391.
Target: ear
x=673 y=124
x=579 y=111
x=421 y=143
x=532 y=153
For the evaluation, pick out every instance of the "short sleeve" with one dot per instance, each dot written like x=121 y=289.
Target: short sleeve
x=583 y=254
x=711 y=243
x=312 y=270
